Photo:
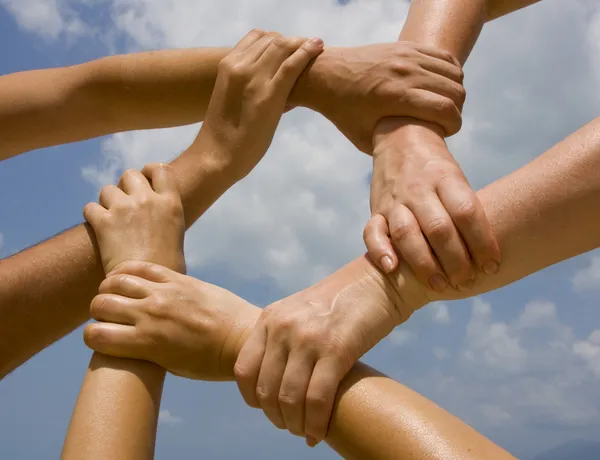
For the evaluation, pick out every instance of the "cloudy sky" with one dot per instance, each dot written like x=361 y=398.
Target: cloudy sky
x=521 y=364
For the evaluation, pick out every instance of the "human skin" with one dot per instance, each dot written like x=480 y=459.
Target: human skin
x=139 y=221
x=420 y=197
x=135 y=221
x=542 y=214
x=422 y=205
x=196 y=329
x=167 y=88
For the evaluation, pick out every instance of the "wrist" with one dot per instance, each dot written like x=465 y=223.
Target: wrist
x=310 y=90
x=402 y=134
x=236 y=339
x=401 y=302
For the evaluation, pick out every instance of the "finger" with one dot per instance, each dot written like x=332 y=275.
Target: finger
x=94 y=214
x=444 y=68
x=293 y=66
x=126 y=285
x=257 y=49
x=109 y=195
x=247 y=367
x=326 y=378
x=133 y=182
x=114 y=340
x=468 y=215
x=434 y=108
x=294 y=387
x=435 y=83
x=162 y=178
x=443 y=237
x=438 y=53
x=277 y=52
x=379 y=246
x=149 y=271
x=112 y=308
x=248 y=40
x=269 y=382
x=415 y=250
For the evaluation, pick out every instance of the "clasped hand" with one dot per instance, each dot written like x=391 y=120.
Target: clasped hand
x=292 y=362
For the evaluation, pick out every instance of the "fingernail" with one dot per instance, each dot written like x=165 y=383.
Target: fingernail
x=310 y=441
x=490 y=267
x=387 y=264
x=317 y=41
x=438 y=283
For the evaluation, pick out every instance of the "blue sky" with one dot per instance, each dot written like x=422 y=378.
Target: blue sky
x=492 y=361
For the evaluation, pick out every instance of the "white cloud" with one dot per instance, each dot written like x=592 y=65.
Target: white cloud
x=166 y=418
x=588 y=278
x=401 y=336
x=50 y=19
x=440 y=353
x=439 y=312
x=537 y=314
x=299 y=215
x=524 y=373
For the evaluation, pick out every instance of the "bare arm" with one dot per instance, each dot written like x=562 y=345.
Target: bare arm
x=116 y=393
x=142 y=220
x=378 y=418
x=33 y=318
x=108 y=95
x=453 y=224
x=541 y=214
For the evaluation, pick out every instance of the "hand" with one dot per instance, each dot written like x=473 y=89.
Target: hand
x=303 y=346
x=250 y=95
x=421 y=200
x=191 y=328
x=140 y=220
x=356 y=87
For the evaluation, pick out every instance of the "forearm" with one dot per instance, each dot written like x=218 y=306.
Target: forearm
x=47 y=107
x=46 y=290
x=117 y=411
x=541 y=214
x=379 y=418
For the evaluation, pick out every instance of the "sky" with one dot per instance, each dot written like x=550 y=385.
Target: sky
x=521 y=364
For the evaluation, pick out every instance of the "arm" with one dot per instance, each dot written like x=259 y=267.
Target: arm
x=198 y=329
x=377 y=417
x=112 y=94
x=32 y=319
x=146 y=223
x=541 y=214
x=427 y=203
x=166 y=88
x=116 y=413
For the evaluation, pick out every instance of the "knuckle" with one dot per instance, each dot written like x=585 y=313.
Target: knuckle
x=465 y=212
x=423 y=265
x=97 y=306
x=242 y=372
x=265 y=396
x=317 y=399
x=288 y=400
x=439 y=229
x=445 y=105
x=461 y=93
x=94 y=337
x=257 y=32
x=402 y=230
x=282 y=42
x=283 y=323
x=158 y=306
